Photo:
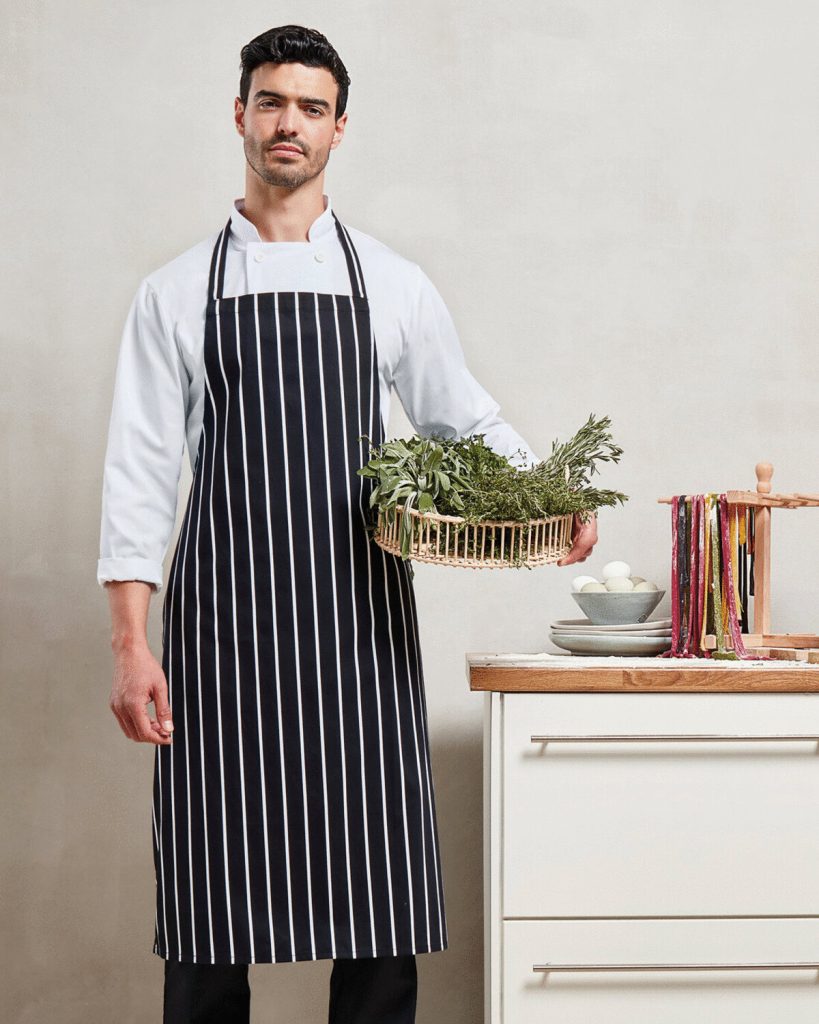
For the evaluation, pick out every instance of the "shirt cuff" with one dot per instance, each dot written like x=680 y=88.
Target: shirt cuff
x=130 y=569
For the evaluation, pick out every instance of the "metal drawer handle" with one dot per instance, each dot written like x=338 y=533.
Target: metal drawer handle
x=670 y=737
x=799 y=965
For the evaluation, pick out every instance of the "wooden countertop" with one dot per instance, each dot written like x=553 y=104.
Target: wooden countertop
x=551 y=673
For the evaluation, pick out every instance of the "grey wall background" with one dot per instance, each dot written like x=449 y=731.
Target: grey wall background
x=618 y=201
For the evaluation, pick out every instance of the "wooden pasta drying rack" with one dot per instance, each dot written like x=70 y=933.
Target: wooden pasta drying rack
x=787 y=646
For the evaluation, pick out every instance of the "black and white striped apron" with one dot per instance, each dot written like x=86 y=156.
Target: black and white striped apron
x=294 y=812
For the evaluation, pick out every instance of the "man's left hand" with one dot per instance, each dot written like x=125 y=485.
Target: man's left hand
x=584 y=537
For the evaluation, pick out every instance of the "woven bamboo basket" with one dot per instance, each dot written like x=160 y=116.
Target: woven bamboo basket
x=450 y=540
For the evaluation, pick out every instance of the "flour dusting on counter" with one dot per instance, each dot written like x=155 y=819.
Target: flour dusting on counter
x=613 y=661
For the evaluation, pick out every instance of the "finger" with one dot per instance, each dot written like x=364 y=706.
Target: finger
x=125 y=720
x=124 y=723
x=142 y=724
x=163 y=708
x=587 y=541
x=163 y=735
x=580 y=548
x=133 y=732
x=157 y=728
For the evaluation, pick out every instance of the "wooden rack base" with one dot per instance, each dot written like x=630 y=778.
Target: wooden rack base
x=810 y=656
x=781 y=641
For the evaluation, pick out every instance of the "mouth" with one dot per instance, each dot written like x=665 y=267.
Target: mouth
x=286 y=150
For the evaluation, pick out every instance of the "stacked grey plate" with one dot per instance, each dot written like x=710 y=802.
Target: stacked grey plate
x=582 y=636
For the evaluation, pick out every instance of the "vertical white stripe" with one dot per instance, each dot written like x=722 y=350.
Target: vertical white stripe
x=330 y=525
x=161 y=879
x=252 y=560
x=286 y=835
x=397 y=570
x=296 y=639
x=410 y=887
x=252 y=556
x=199 y=689
x=237 y=670
x=390 y=898
x=185 y=717
x=308 y=487
x=363 y=774
x=427 y=768
x=156 y=841
x=171 y=600
x=218 y=673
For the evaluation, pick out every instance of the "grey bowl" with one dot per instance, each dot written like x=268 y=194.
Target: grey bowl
x=614 y=609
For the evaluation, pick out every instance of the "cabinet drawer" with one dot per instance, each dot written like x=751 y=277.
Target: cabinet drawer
x=666 y=828
x=731 y=996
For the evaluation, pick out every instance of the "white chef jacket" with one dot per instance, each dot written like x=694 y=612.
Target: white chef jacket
x=159 y=388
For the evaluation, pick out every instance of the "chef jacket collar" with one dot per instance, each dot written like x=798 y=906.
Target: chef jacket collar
x=244 y=231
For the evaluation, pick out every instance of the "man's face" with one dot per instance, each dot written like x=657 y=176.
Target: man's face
x=289 y=105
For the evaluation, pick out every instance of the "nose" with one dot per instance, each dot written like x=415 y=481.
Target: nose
x=288 y=120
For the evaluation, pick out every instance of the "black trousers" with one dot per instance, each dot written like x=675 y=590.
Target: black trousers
x=366 y=990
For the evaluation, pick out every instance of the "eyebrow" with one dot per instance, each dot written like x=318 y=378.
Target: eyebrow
x=312 y=100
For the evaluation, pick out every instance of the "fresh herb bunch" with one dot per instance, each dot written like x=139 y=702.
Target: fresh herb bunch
x=416 y=473
x=464 y=477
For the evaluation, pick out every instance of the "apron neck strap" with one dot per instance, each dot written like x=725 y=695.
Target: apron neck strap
x=217 y=264
x=353 y=263
x=216 y=279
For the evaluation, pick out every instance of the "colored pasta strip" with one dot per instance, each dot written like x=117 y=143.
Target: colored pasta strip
x=711 y=576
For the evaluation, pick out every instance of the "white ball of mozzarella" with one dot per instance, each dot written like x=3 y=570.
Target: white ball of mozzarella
x=612 y=569
x=593 y=588
x=580 y=581
x=637 y=579
x=644 y=585
x=619 y=584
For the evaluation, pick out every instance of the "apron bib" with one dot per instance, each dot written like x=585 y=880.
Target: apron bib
x=294 y=812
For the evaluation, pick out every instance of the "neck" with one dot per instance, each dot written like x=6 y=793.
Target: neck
x=282 y=214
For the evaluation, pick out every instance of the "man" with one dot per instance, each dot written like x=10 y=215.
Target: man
x=293 y=813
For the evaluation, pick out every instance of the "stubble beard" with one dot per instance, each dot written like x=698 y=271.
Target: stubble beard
x=283 y=175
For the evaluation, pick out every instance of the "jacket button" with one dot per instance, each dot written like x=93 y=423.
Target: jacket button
x=258 y=257
x=319 y=257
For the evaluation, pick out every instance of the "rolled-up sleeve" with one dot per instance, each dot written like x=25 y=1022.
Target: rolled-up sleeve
x=437 y=390
x=146 y=443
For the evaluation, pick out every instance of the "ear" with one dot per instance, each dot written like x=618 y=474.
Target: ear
x=339 y=132
x=239 y=116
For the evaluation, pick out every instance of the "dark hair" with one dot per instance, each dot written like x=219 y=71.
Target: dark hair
x=293 y=44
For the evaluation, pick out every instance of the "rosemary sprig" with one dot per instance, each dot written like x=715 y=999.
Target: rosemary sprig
x=578 y=457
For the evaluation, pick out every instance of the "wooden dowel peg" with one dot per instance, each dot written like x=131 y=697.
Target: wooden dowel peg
x=762 y=552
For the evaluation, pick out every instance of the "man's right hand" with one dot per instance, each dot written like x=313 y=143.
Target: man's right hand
x=138 y=680
x=138 y=676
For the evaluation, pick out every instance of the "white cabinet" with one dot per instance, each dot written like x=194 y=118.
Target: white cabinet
x=655 y=830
